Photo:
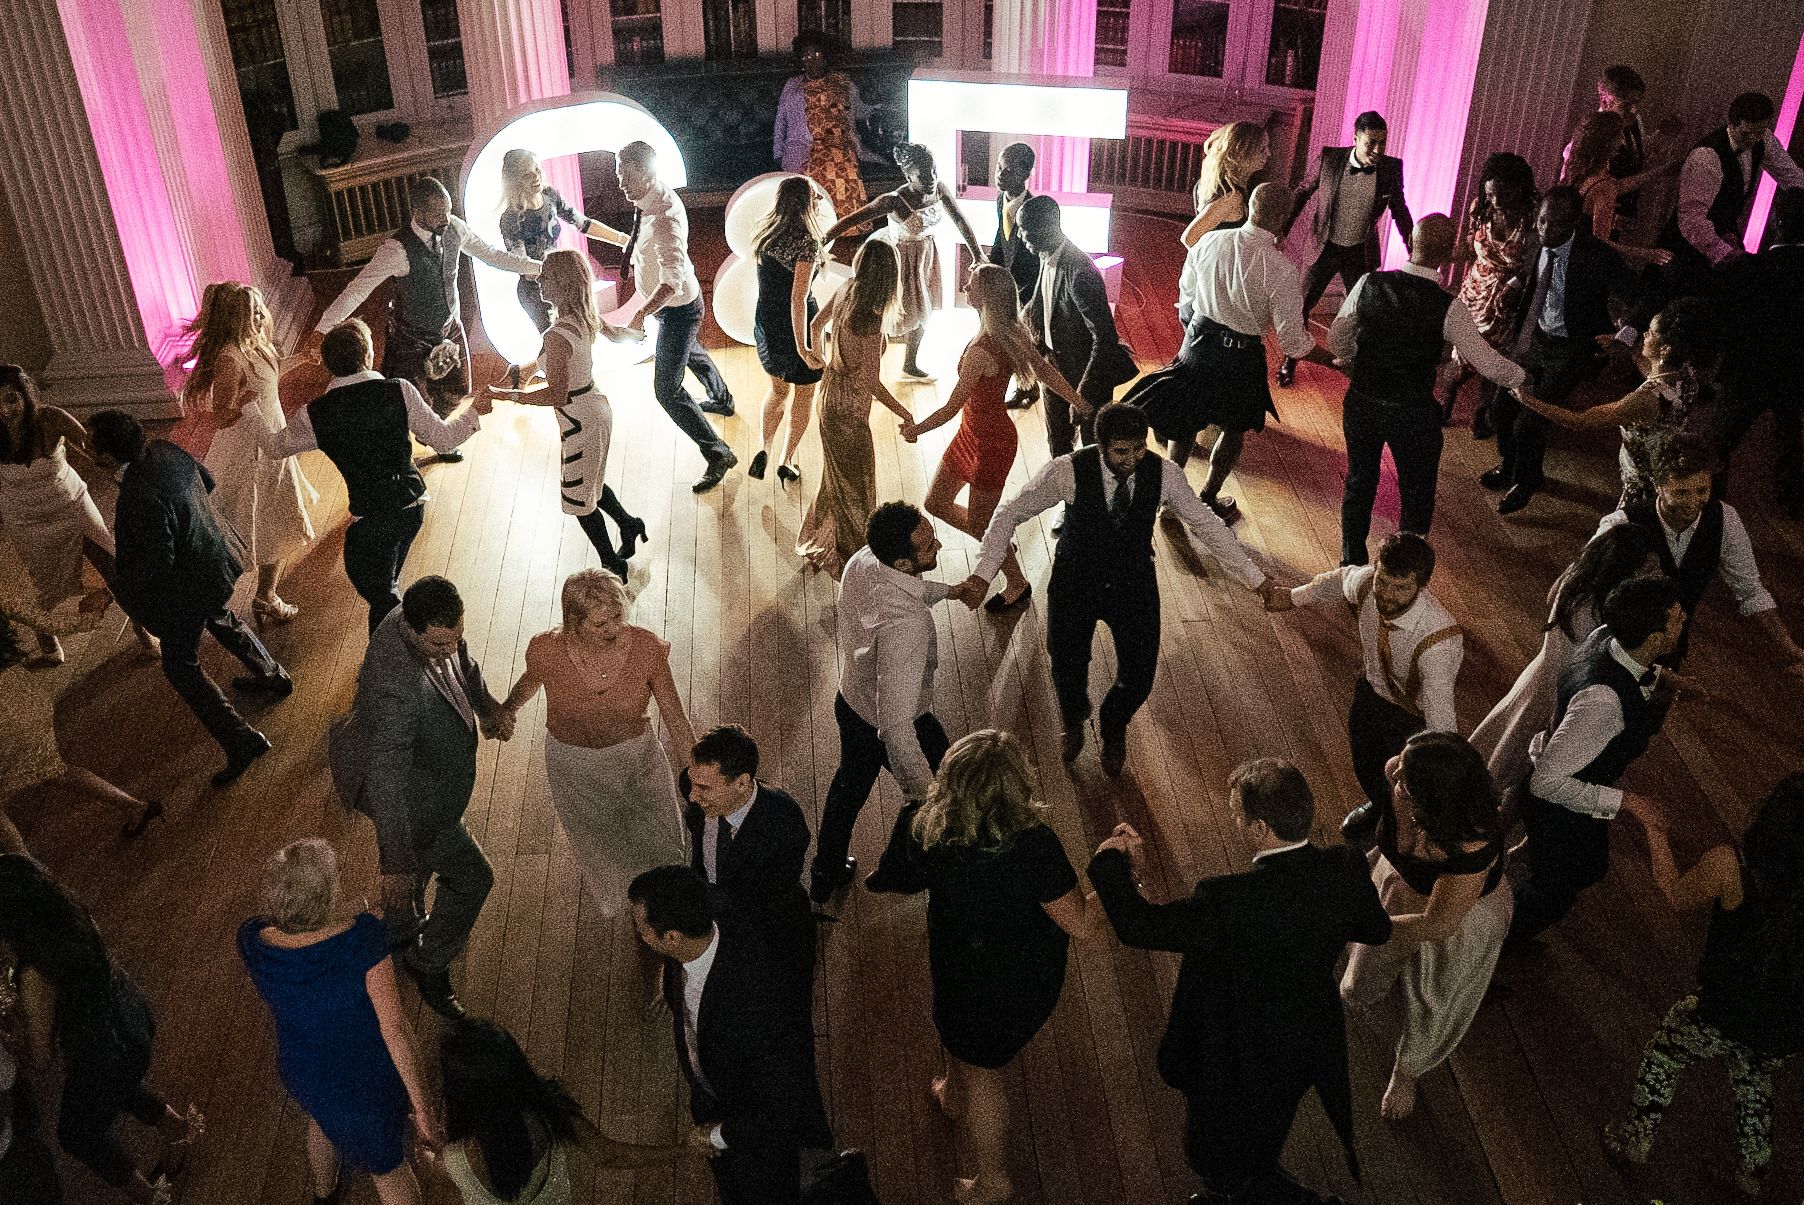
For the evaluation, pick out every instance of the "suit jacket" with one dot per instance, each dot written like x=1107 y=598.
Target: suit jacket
x=1013 y=253
x=1330 y=173
x=404 y=756
x=1763 y=298
x=178 y=558
x=1594 y=275
x=756 y=1051
x=760 y=878
x=1084 y=343
x=1257 y=1009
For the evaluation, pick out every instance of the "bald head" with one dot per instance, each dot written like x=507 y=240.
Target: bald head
x=1431 y=246
x=1270 y=206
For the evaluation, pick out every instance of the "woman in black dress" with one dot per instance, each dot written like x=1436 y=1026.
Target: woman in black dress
x=785 y=248
x=1748 y=1008
x=1002 y=899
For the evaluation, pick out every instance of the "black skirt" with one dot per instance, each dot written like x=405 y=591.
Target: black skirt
x=1218 y=379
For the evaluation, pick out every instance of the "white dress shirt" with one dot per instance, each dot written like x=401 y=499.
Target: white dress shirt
x=711 y=834
x=661 y=256
x=1457 y=328
x=1736 y=566
x=1057 y=483
x=1240 y=279
x=695 y=982
x=1353 y=203
x=1593 y=719
x=1702 y=176
x=1282 y=849
x=1438 y=665
x=390 y=259
x=426 y=425
x=888 y=649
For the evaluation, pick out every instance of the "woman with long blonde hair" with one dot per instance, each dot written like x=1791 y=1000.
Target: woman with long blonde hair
x=852 y=330
x=1002 y=904
x=236 y=378
x=982 y=453
x=585 y=419
x=1594 y=143
x=1232 y=155
x=785 y=248
x=530 y=225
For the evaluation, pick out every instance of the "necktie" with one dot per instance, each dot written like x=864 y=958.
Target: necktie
x=632 y=241
x=1362 y=171
x=1008 y=221
x=1118 y=505
x=723 y=837
x=435 y=244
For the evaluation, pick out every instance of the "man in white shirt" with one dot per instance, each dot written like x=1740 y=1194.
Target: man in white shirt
x=657 y=254
x=425 y=311
x=1410 y=654
x=1103 y=570
x=1717 y=185
x=1236 y=285
x=1390 y=332
x=1606 y=713
x=888 y=649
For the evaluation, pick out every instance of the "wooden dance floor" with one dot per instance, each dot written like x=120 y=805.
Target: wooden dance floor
x=1512 y=1118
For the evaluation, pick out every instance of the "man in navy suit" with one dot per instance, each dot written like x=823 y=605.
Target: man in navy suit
x=178 y=563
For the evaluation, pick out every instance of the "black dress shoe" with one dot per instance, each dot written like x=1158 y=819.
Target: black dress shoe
x=715 y=406
x=1481 y=422
x=1287 y=373
x=255 y=746
x=1071 y=743
x=1518 y=497
x=1000 y=605
x=631 y=533
x=1494 y=478
x=1114 y=755
x=822 y=883
x=436 y=990
x=278 y=684
x=1360 y=827
x=758 y=462
x=717 y=472
x=451 y=457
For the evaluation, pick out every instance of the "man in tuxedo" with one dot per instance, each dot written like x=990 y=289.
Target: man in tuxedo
x=1567 y=312
x=405 y=756
x=748 y=840
x=745 y=1049
x=1013 y=169
x=177 y=565
x=1354 y=185
x=1071 y=320
x=1256 y=1017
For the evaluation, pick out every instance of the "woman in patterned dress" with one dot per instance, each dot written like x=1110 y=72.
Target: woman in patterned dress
x=785 y=248
x=913 y=211
x=817 y=124
x=1500 y=250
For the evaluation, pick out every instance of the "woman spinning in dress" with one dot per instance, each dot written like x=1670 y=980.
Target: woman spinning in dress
x=1232 y=155
x=982 y=453
x=913 y=211
x=584 y=417
x=266 y=498
x=1501 y=251
x=785 y=248
x=834 y=527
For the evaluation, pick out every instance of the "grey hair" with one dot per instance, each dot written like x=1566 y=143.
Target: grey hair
x=300 y=886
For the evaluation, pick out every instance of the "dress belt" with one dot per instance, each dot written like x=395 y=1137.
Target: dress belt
x=1230 y=338
x=579 y=392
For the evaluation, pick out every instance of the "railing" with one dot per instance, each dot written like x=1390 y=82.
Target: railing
x=1156 y=166
x=366 y=199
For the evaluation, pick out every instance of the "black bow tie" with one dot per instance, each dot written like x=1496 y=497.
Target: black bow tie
x=1650 y=679
x=1362 y=171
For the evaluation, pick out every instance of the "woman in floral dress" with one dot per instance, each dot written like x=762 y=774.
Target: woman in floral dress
x=1501 y=252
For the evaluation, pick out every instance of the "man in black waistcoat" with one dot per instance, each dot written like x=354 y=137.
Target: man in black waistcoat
x=1390 y=331
x=1606 y=712
x=1103 y=571
x=1353 y=186
x=362 y=423
x=1702 y=538
x=178 y=563
x=1013 y=169
x=1256 y=1018
x=1567 y=310
x=1716 y=192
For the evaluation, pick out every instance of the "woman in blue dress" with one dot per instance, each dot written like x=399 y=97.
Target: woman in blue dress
x=343 y=1048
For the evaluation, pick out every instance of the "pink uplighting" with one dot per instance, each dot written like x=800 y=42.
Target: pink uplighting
x=1434 y=126
x=1783 y=128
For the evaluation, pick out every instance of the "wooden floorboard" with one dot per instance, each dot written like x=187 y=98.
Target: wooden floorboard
x=1511 y=1119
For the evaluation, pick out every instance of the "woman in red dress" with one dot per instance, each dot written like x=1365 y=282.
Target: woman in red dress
x=982 y=453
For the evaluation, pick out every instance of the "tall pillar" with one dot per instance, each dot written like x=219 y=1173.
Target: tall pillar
x=52 y=164
x=514 y=53
x=1049 y=37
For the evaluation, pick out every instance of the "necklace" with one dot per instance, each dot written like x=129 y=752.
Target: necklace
x=591 y=666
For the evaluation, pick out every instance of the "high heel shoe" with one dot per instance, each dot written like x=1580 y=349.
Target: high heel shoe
x=273 y=612
x=134 y=829
x=630 y=534
x=756 y=472
x=787 y=473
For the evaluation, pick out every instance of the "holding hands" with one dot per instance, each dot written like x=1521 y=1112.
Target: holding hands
x=970 y=591
x=1276 y=595
x=1126 y=840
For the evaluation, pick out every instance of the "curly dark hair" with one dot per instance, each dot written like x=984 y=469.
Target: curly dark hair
x=1455 y=801
x=1689 y=326
x=912 y=156
x=1516 y=177
x=814 y=39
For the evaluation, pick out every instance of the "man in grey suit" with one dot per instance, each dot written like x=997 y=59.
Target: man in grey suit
x=406 y=757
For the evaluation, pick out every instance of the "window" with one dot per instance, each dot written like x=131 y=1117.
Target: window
x=1295 y=53
x=919 y=26
x=444 y=48
x=1199 y=37
x=729 y=29
x=638 y=31
x=1111 y=33
x=355 y=50
x=831 y=17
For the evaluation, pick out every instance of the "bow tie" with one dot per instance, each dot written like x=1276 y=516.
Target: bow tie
x=1362 y=171
x=1650 y=679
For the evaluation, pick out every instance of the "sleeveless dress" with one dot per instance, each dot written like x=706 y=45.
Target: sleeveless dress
x=29 y=753
x=46 y=510
x=918 y=257
x=266 y=498
x=983 y=451
x=1492 y=288
x=549 y=1184
x=585 y=428
x=834 y=527
x=1679 y=411
x=772 y=329
x=1502 y=737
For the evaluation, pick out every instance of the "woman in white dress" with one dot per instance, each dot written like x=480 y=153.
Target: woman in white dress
x=1577 y=597
x=585 y=419
x=267 y=498
x=611 y=785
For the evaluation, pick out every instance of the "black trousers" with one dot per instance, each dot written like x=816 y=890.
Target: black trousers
x=1348 y=263
x=432 y=940
x=404 y=351
x=92 y=1103
x=1413 y=432
x=861 y=755
x=1131 y=612
x=766 y=1176
x=1063 y=432
x=375 y=549
x=678 y=348
x=181 y=665
x=1377 y=730
x=1566 y=853
x=1556 y=365
x=1743 y=401
x=1236 y=1154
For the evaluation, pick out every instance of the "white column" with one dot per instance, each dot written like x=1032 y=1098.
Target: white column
x=514 y=53
x=1048 y=37
x=48 y=158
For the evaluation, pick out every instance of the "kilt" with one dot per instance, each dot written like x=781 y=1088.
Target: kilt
x=1219 y=379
